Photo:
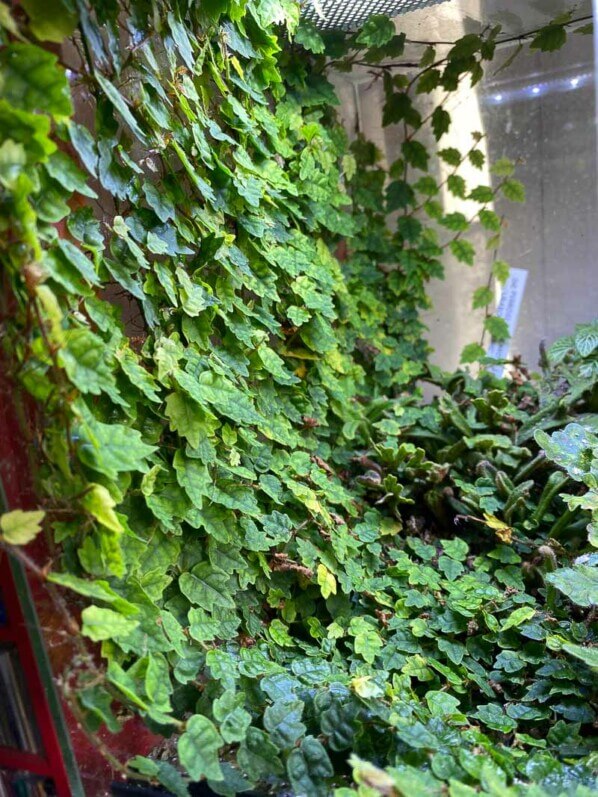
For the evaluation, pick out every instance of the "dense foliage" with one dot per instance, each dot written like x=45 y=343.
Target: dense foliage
x=285 y=559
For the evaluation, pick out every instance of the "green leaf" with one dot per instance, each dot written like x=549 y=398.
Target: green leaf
x=428 y=57
x=62 y=169
x=326 y=581
x=85 y=146
x=32 y=81
x=549 y=39
x=233 y=718
x=162 y=771
x=399 y=195
x=586 y=339
x=465 y=47
x=100 y=624
x=588 y=655
x=497 y=328
x=20 y=527
x=367 y=640
x=518 y=617
x=472 y=353
x=275 y=365
x=514 y=190
x=409 y=227
x=77 y=259
x=109 y=448
x=441 y=122
x=97 y=703
x=451 y=156
x=517 y=711
x=427 y=185
x=194 y=298
x=182 y=41
x=377 y=31
x=477 y=158
x=121 y=106
x=578 y=583
x=457 y=186
x=139 y=376
x=309 y=37
x=560 y=349
x=455 y=221
x=157 y=683
x=454 y=650
x=441 y=704
x=206 y=627
x=283 y=721
x=399 y=108
x=429 y=81
x=85 y=357
x=210 y=388
x=96 y=590
x=13 y=158
x=198 y=749
x=482 y=193
x=450 y=567
x=501 y=271
x=494 y=717
x=160 y=202
x=8 y=23
x=416 y=154
x=309 y=767
x=417 y=736
x=490 y=220
x=194 y=478
x=571 y=448
x=482 y=297
x=187 y=418
x=28 y=129
x=463 y=251
x=258 y=756
x=456 y=549
x=503 y=167
x=207 y=587
x=50 y=21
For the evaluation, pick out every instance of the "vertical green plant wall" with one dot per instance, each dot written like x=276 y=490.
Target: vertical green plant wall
x=206 y=373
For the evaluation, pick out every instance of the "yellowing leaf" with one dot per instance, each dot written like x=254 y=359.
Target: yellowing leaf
x=19 y=527
x=99 y=503
x=502 y=530
x=51 y=312
x=326 y=580
x=390 y=526
x=365 y=687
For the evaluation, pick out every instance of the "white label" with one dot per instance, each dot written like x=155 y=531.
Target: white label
x=508 y=308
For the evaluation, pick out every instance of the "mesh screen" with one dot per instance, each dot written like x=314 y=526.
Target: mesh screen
x=350 y=14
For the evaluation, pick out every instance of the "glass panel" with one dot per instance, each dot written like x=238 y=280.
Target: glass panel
x=24 y=784
x=3 y=616
x=539 y=111
x=17 y=724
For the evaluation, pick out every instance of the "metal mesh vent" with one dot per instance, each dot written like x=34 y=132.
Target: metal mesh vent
x=350 y=14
